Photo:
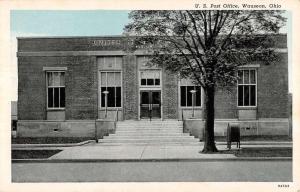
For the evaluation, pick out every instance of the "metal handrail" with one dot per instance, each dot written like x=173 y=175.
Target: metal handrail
x=183 y=121
x=116 y=119
x=117 y=115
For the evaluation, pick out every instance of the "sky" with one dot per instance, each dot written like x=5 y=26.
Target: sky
x=25 y=23
x=68 y=23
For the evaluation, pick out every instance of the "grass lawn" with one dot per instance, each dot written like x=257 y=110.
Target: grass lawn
x=33 y=154
x=48 y=140
x=258 y=138
x=261 y=152
x=265 y=152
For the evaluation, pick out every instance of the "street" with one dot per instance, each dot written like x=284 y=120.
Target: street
x=188 y=171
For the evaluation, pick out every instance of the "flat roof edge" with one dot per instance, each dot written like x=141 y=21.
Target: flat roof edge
x=100 y=36
x=70 y=37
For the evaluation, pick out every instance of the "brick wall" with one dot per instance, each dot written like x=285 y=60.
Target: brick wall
x=130 y=89
x=71 y=44
x=226 y=103
x=81 y=86
x=272 y=93
x=170 y=95
x=272 y=86
x=31 y=87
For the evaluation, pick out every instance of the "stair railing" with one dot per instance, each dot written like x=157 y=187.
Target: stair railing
x=116 y=119
x=183 y=121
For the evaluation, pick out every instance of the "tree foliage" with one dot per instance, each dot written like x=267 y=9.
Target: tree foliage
x=206 y=46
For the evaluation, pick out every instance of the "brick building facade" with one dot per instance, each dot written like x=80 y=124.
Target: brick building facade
x=62 y=80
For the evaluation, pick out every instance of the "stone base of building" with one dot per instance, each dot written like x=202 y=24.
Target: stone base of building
x=254 y=127
x=100 y=128
x=70 y=128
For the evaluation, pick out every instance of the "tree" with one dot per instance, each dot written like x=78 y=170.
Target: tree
x=207 y=46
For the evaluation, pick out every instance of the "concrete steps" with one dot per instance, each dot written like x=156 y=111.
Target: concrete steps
x=126 y=133
x=149 y=128
x=155 y=143
x=140 y=131
x=149 y=132
x=147 y=137
x=143 y=140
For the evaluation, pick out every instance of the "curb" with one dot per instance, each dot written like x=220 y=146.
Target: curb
x=151 y=160
x=15 y=146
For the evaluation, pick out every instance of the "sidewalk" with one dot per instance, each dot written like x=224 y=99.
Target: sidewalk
x=155 y=152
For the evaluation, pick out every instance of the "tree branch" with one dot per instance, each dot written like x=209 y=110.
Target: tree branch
x=216 y=21
x=174 y=42
x=210 y=24
x=232 y=28
x=196 y=30
x=221 y=23
x=205 y=27
x=194 y=43
x=192 y=53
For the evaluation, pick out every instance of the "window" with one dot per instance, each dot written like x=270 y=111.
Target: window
x=186 y=97
x=56 y=89
x=150 y=78
x=247 y=87
x=111 y=82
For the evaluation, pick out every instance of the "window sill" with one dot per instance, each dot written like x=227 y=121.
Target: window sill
x=190 y=108
x=110 y=108
x=150 y=86
x=247 y=107
x=56 y=109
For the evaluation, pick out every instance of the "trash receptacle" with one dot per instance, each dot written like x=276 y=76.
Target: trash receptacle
x=233 y=134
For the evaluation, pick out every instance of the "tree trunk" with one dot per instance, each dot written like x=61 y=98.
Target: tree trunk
x=209 y=136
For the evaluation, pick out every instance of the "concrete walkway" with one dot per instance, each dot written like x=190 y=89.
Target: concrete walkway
x=137 y=152
x=144 y=152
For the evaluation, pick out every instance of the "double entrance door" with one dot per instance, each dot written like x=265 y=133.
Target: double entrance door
x=150 y=104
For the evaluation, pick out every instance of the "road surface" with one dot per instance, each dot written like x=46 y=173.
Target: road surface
x=196 y=171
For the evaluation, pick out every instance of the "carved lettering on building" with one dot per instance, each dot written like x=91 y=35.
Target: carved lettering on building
x=116 y=42
x=105 y=43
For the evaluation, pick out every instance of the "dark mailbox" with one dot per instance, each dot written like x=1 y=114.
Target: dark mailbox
x=233 y=134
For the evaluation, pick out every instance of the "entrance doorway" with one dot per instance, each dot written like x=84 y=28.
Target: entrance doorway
x=150 y=106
